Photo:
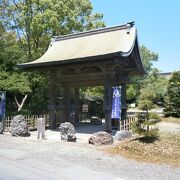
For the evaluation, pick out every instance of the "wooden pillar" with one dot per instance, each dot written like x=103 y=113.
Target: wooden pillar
x=123 y=102
x=77 y=105
x=67 y=104
x=107 y=102
x=51 y=107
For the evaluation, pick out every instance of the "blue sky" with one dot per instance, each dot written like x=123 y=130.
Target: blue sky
x=157 y=22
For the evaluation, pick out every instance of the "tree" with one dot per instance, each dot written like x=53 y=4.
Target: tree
x=12 y=80
x=31 y=24
x=157 y=84
x=172 y=105
x=146 y=127
x=36 y=22
x=10 y=53
x=146 y=99
x=146 y=123
x=152 y=91
x=93 y=91
x=38 y=97
x=17 y=84
x=148 y=57
x=133 y=89
x=132 y=93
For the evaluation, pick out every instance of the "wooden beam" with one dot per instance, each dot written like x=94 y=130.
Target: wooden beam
x=51 y=107
x=79 y=65
x=90 y=83
x=77 y=105
x=107 y=101
x=123 y=102
x=79 y=77
x=67 y=104
x=85 y=83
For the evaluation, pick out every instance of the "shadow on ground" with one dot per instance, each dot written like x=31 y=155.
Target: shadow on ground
x=87 y=128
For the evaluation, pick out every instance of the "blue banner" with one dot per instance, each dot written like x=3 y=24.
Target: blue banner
x=116 y=103
x=2 y=104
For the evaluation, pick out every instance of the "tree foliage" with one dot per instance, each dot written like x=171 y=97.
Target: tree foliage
x=12 y=80
x=36 y=22
x=10 y=53
x=146 y=122
x=26 y=29
x=93 y=91
x=137 y=83
x=148 y=57
x=156 y=84
x=172 y=105
x=146 y=127
x=146 y=99
x=132 y=92
x=38 y=101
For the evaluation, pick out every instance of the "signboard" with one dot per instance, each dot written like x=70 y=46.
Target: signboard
x=116 y=103
x=2 y=103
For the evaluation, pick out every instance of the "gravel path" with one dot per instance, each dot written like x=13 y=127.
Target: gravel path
x=169 y=127
x=28 y=158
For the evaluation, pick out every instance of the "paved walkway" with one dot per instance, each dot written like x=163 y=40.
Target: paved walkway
x=51 y=159
x=27 y=158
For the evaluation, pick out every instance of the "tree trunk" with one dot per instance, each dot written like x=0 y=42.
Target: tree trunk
x=20 y=106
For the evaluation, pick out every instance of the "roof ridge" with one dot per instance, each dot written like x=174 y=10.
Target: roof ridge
x=94 y=31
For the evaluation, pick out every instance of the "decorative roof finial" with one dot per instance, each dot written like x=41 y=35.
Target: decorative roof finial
x=131 y=24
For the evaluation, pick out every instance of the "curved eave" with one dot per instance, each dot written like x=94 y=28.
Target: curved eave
x=135 y=50
x=72 y=61
x=138 y=59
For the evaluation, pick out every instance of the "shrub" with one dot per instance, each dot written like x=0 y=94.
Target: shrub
x=172 y=100
x=146 y=126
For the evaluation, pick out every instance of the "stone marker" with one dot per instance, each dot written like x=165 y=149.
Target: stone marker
x=19 y=127
x=101 y=138
x=40 y=124
x=120 y=135
x=1 y=128
x=67 y=132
